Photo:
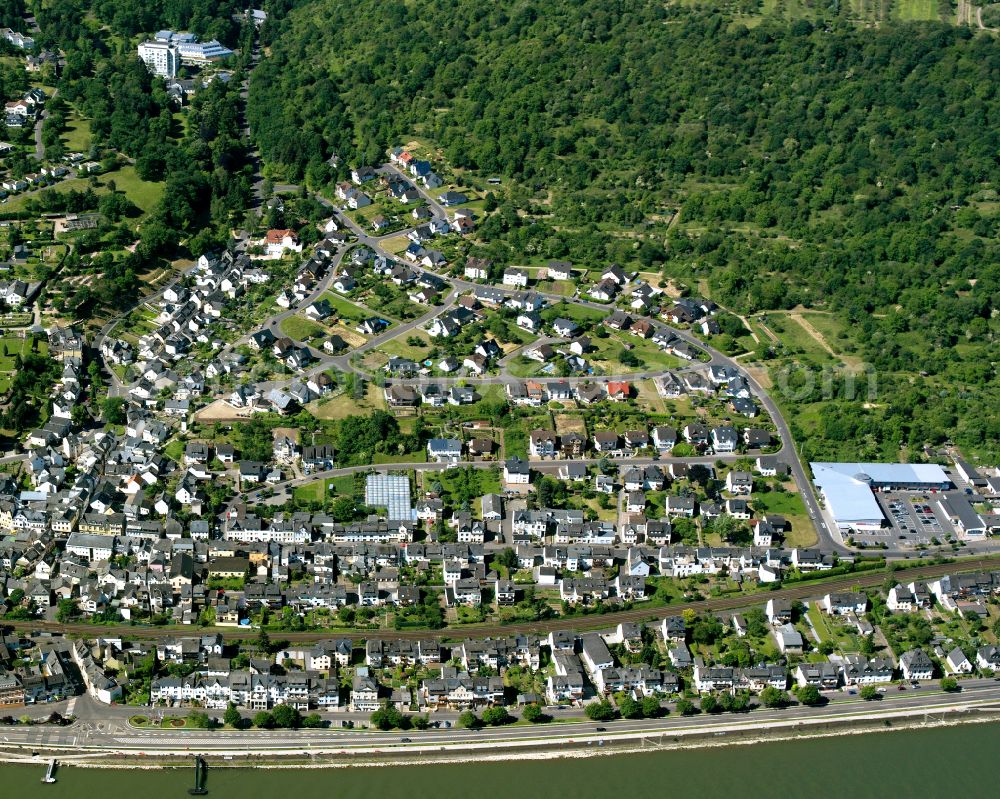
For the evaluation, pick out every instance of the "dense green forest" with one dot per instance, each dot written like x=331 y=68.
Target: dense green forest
x=824 y=165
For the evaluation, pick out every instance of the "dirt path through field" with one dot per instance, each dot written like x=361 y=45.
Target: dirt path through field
x=815 y=335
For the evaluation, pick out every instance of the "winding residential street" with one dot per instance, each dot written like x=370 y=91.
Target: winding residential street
x=39 y=123
x=828 y=541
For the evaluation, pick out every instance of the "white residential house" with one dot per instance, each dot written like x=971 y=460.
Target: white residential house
x=517 y=278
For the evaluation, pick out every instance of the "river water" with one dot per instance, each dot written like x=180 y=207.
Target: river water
x=942 y=762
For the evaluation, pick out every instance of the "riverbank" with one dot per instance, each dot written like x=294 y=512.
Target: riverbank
x=936 y=761
x=312 y=755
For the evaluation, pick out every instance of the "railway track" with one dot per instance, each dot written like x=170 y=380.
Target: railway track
x=803 y=590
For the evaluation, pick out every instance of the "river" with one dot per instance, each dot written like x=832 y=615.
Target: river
x=941 y=762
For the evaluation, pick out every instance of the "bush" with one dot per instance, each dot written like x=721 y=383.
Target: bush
x=468 y=720
x=533 y=713
x=869 y=692
x=685 y=707
x=651 y=707
x=629 y=708
x=773 y=697
x=600 y=711
x=263 y=720
x=388 y=717
x=949 y=684
x=232 y=716
x=288 y=717
x=809 y=695
x=496 y=716
x=199 y=720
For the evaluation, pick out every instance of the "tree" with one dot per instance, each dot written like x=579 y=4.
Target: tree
x=949 y=684
x=733 y=530
x=67 y=609
x=468 y=720
x=496 y=716
x=263 y=720
x=809 y=695
x=651 y=707
x=388 y=717
x=113 y=409
x=600 y=711
x=532 y=713
x=869 y=692
x=772 y=697
x=232 y=716
x=706 y=631
x=343 y=509
x=737 y=702
x=508 y=558
x=287 y=717
x=685 y=707
x=709 y=704
x=313 y=721
x=199 y=720
x=421 y=722
x=629 y=708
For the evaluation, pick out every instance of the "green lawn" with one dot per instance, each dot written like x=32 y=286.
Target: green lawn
x=12 y=346
x=915 y=10
x=790 y=506
x=398 y=347
x=318 y=490
x=816 y=616
x=609 y=349
x=577 y=313
x=300 y=328
x=310 y=492
x=525 y=367
x=420 y=456
x=174 y=450
x=145 y=195
x=343 y=405
x=345 y=308
x=796 y=340
x=77 y=135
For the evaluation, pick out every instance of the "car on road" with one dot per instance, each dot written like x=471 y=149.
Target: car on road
x=600 y=729
x=405 y=741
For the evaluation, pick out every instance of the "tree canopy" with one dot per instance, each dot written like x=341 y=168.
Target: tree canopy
x=827 y=165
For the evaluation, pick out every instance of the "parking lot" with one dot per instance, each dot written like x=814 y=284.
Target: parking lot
x=913 y=521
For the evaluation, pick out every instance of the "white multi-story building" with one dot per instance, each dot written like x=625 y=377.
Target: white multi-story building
x=161 y=58
x=200 y=53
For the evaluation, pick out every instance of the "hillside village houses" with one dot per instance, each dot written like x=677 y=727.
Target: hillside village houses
x=110 y=523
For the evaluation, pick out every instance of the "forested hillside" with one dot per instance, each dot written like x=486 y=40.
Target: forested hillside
x=200 y=158
x=837 y=167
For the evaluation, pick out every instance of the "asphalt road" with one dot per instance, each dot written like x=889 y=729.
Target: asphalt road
x=110 y=732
